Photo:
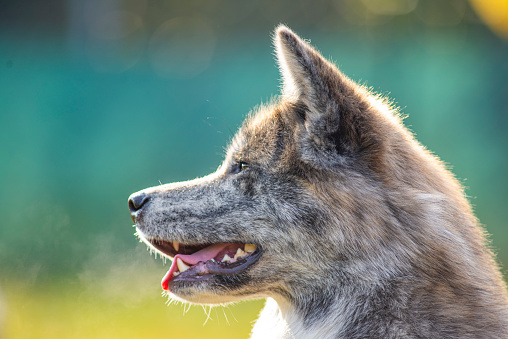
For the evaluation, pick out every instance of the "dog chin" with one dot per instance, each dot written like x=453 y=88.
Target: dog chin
x=201 y=295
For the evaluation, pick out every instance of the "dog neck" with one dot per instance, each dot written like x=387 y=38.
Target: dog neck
x=308 y=319
x=354 y=310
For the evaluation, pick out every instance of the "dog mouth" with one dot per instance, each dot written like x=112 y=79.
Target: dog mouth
x=195 y=263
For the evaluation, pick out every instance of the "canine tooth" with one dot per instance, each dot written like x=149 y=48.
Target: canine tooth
x=181 y=265
x=250 y=248
x=176 y=245
x=226 y=259
x=239 y=253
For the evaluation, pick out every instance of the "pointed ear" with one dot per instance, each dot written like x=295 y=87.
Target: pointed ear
x=306 y=74
x=335 y=109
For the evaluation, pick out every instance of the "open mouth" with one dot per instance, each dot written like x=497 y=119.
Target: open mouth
x=199 y=262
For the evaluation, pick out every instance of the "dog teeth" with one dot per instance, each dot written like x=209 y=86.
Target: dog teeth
x=239 y=254
x=250 y=248
x=181 y=265
x=176 y=245
x=226 y=259
x=176 y=274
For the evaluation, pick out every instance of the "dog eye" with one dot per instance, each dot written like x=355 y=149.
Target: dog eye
x=239 y=166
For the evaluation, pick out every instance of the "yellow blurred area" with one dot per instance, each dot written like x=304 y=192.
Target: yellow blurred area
x=72 y=312
x=494 y=13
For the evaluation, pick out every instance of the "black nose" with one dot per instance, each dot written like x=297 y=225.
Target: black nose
x=136 y=203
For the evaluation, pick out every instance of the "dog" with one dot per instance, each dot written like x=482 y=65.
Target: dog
x=327 y=206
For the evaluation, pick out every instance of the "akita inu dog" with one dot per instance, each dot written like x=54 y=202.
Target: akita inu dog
x=327 y=206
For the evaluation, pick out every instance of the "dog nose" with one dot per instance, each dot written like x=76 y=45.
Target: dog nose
x=136 y=202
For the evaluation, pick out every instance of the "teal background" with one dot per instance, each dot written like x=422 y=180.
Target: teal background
x=85 y=120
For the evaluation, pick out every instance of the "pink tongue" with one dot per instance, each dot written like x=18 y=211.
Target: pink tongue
x=191 y=259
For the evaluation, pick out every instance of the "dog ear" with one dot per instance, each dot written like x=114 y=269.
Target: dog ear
x=329 y=104
x=305 y=72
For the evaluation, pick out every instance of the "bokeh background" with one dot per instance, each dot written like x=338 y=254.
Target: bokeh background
x=101 y=98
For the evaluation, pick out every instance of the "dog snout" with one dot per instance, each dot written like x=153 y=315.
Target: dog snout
x=136 y=203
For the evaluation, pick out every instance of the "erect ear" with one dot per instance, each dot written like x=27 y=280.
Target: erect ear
x=305 y=73
x=333 y=104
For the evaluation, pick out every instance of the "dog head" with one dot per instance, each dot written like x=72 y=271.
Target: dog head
x=305 y=178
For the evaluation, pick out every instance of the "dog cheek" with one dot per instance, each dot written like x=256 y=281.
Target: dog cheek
x=247 y=185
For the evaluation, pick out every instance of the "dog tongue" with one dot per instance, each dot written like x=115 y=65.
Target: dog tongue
x=203 y=255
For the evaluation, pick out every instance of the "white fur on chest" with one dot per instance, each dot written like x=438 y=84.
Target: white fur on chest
x=281 y=321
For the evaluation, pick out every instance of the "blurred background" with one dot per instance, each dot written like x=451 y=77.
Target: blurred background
x=101 y=98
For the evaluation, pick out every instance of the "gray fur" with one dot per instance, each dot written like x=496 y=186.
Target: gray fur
x=364 y=233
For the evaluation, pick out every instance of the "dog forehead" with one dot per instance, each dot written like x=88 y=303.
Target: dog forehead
x=261 y=127
x=256 y=138
x=261 y=118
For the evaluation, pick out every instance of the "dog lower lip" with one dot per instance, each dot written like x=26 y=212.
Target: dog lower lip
x=208 y=262
x=205 y=270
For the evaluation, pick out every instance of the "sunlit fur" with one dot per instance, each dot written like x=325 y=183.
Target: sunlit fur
x=364 y=233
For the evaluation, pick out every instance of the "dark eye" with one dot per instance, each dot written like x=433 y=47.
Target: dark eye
x=239 y=166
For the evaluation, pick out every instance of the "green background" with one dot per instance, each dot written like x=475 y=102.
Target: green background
x=100 y=99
